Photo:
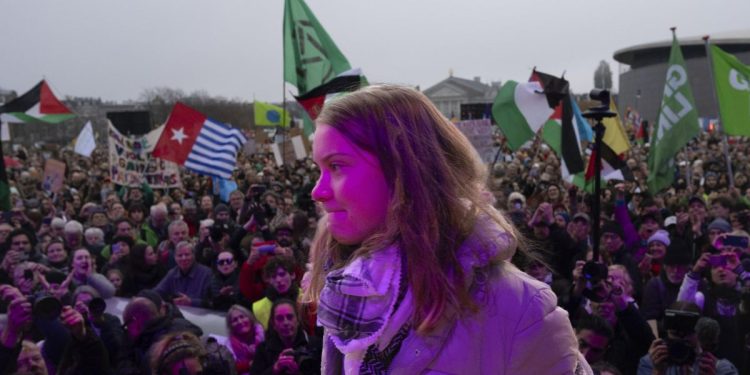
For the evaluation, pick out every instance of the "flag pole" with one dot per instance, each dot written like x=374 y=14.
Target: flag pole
x=724 y=137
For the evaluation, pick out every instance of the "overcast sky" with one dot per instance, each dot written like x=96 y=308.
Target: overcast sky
x=233 y=48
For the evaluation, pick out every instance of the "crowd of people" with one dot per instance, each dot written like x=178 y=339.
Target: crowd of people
x=668 y=292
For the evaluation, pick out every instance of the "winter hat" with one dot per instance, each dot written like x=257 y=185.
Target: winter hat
x=613 y=227
x=661 y=236
x=221 y=207
x=678 y=253
x=720 y=224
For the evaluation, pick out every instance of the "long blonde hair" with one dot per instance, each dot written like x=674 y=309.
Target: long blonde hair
x=437 y=182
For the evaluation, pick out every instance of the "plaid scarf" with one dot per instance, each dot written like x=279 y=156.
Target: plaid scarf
x=357 y=300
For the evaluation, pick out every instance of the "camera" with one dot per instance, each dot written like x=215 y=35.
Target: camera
x=306 y=361
x=682 y=323
x=595 y=274
x=47 y=308
x=97 y=306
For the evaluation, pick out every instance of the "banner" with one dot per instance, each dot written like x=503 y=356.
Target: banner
x=481 y=135
x=54 y=174
x=131 y=162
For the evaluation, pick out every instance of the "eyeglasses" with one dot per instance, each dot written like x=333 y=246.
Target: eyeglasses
x=223 y=262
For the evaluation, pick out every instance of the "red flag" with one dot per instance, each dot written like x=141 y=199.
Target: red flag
x=179 y=135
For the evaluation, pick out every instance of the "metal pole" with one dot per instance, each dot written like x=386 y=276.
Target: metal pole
x=599 y=130
x=718 y=113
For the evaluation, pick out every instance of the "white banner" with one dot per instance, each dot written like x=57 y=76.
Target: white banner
x=131 y=163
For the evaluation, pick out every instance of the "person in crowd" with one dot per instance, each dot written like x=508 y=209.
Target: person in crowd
x=74 y=234
x=612 y=241
x=416 y=269
x=188 y=283
x=245 y=335
x=651 y=264
x=143 y=270
x=288 y=349
x=30 y=360
x=120 y=253
x=594 y=335
x=225 y=288
x=280 y=277
x=660 y=292
x=57 y=256
x=686 y=349
x=115 y=277
x=156 y=226
x=87 y=301
x=720 y=299
x=84 y=273
x=178 y=232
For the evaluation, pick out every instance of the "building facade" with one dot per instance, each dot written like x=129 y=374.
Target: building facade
x=449 y=94
x=644 y=69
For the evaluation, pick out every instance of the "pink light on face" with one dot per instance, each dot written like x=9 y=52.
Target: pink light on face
x=352 y=188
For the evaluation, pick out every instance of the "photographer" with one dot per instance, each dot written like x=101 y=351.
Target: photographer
x=720 y=299
x=288 y=349
x=19 y=320
x=688 y=347
x=87 y=301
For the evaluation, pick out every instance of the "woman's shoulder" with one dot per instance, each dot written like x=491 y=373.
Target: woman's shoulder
x=514 y=293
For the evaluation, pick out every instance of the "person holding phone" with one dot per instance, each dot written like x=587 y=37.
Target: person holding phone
x=720 y=298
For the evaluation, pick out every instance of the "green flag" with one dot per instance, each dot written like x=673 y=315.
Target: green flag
x=677 y=122
x=733 y=91
x=311 y=58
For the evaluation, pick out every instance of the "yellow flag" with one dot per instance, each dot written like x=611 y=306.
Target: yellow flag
x=615 y=136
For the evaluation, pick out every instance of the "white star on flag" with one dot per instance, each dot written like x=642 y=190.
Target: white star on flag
x=178 y=135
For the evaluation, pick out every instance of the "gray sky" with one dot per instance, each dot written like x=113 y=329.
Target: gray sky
x=233 y=48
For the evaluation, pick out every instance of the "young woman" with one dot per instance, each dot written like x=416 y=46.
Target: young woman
x=415 y=247
x=245 y=334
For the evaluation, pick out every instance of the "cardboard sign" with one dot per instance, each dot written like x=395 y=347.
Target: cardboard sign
x=54 y=175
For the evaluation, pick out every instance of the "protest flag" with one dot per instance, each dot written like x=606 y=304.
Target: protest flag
x=559 y=132
x=311 y=58
x=199 y=143
x=677 y=122
x=85 y=143
x=38 y=104
x=615 y=136
x=732 y=79
x=520 y=110
x=270 y=115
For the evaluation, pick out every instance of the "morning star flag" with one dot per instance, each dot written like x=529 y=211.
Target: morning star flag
x=311 y=58
x=733 y=91
x=270 y=115
x=520 y=110
x=200 y=144
x=38 y=104
x=677 y=122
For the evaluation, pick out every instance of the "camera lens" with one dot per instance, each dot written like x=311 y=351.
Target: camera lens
x=47 y=308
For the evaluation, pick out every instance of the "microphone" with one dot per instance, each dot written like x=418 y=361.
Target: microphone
x=708 y=331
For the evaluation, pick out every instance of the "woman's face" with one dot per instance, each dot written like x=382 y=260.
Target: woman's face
x=657 y=250
x=553 y=193
x=351 y=189
x=239 y=323
x=56 y=253
x=115 y=279
x=150 y=257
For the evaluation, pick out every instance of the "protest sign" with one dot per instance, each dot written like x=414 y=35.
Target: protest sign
x=131 y=162
x=54 y=175
x=480 y=134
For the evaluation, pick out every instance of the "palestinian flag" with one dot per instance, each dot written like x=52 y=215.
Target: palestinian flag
x=38 y=104
x=559 y=132
x=313 y=100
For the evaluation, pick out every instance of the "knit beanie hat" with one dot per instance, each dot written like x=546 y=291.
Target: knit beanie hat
x=720 y=224
x=661 y=236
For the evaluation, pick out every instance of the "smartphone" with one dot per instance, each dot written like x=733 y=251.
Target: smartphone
x=116 y=248
x=736 y=241
x=717 y=261
x=266 y=249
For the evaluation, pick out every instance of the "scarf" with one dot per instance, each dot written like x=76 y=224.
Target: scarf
x=359 y=304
